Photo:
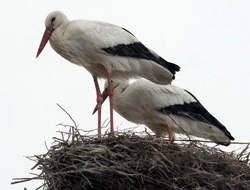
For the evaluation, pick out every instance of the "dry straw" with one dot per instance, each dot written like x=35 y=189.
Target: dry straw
x=129 y=161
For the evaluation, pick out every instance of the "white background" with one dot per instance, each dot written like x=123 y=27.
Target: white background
x=209 y=39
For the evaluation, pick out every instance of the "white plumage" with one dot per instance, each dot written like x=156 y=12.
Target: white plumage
x=100 y=46
x=156 y=106
x=105 y=50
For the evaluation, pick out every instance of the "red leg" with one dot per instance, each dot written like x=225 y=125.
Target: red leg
x=170 y=134
x=111 y=101
x=99 y=104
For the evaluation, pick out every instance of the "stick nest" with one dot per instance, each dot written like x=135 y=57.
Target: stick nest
x=131 y=162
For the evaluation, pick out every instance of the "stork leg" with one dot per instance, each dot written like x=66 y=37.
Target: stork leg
x=99 y=105
x=170 y=134
x=111 y=101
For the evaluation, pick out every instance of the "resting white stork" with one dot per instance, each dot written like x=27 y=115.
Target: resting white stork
x=106 y=51
x=166 y=108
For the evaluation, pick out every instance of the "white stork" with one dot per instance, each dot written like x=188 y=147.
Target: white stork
x=166 y=108
x=106 y=51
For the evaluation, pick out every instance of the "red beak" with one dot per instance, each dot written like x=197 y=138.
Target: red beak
x=46 y=36
x=104 y=97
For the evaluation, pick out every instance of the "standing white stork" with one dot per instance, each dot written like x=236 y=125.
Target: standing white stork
x=106 y=51
x=166 y=108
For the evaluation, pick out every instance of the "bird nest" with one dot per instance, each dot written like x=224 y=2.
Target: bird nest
x=132 y=161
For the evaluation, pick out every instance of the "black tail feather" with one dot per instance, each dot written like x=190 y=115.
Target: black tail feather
x=173 y=68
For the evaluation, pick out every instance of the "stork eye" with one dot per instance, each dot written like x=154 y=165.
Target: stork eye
x=53 y=19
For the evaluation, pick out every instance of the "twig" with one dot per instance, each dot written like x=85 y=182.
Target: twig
x=67 y=114
x=21 y=180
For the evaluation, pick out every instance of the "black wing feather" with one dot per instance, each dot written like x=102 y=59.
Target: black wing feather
x=138 y=50
x=196 y=111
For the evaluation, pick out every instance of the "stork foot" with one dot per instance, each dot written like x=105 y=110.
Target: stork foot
x=170 y=134
x=111 y=101
x=99 y=100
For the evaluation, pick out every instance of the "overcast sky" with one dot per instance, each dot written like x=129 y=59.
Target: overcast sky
x=209 y=39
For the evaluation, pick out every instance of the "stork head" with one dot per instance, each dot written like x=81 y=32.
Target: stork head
x=53 y=21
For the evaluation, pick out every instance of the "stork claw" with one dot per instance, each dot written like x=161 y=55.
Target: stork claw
x=104 y=96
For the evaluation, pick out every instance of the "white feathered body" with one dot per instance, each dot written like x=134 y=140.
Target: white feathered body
x=141 y=102
x=82 y=42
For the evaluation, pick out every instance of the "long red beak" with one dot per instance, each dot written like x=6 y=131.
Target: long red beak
x=46 y=36
x=104 y=97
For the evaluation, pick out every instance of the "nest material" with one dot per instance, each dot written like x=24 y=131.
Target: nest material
x=132 y=162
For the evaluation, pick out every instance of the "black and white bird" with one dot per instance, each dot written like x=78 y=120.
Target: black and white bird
x=106 y=51
x=166 y=109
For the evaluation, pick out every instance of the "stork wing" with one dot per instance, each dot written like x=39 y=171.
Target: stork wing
x=138 y=50
x=195 y=111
